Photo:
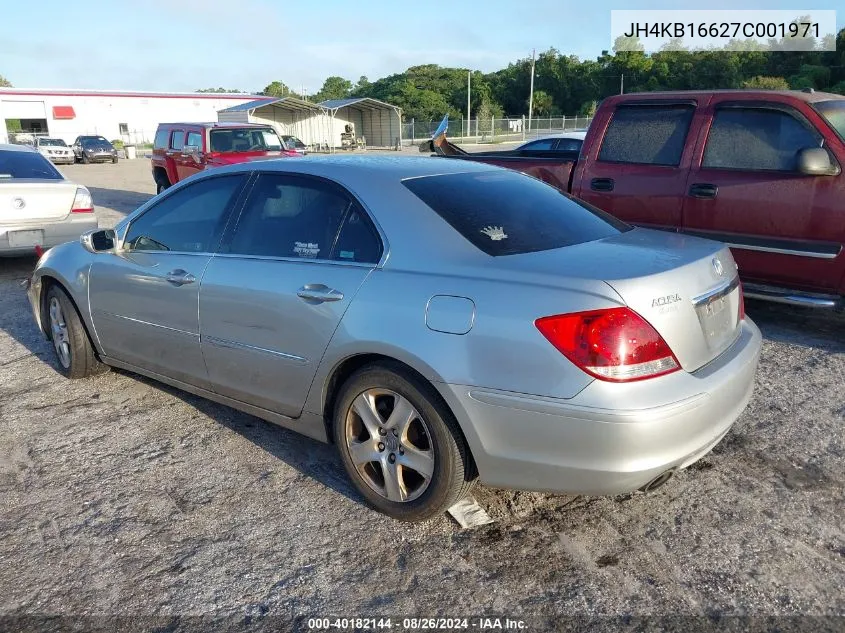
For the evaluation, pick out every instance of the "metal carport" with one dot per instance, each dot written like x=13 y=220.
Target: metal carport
x=379 y=122
x=289 y=115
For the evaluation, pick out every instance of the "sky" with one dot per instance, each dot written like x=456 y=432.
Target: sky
x=183 y=45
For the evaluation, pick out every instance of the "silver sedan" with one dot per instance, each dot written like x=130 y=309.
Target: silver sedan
x=439 y=321
x=38 y=207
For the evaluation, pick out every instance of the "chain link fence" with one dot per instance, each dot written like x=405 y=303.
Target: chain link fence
x=493 y=130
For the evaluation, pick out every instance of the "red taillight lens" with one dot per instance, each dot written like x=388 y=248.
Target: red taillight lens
x=616 y=344
x=741 y=303
x=82 y=202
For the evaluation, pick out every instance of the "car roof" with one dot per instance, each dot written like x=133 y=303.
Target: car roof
x=210 y=125
x=809 y=97
x=9 y=147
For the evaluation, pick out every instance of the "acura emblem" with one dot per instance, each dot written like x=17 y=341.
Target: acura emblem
x=717 y=266
x=18 y=203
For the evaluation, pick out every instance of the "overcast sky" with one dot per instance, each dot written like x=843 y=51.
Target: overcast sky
x=182 y=45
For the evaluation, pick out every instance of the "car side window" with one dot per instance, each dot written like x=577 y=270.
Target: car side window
x=160 y=141
x=195 y=139
x=177 y=139
x=569 y=145
x=756 y=139
x=189 y=220
x=358 y=240
x=544 y=144
x=647 y=134
x=290 y=216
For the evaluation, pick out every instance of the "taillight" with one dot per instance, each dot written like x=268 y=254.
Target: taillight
x=616 y=344
x=741 y=303
x=82 y=202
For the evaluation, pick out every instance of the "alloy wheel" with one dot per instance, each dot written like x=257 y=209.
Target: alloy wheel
x=58 y=328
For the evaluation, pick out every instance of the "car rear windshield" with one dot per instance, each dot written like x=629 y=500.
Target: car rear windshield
x=506 y=213
x=17 y=164
x=245 y=140
x=834 y=112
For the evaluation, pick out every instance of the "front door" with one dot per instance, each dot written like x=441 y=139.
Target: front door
x=639 y=170
x=173 y=155
x=744 y=189
x=272 y=299
x=144 y=298
x=189 y=162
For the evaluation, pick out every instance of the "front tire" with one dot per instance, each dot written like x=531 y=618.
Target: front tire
x=74 y=353
x=85 y=159
x=114 y=160
x=399 y=444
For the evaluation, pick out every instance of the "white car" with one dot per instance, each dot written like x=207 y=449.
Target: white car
x=563 y=142
x=55 y=150
x=38 y=207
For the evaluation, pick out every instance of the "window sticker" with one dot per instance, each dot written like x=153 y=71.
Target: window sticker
x=347 y=254
x=495 y=233
x=306 y=249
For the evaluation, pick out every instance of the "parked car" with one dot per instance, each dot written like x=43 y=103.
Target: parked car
x=563 y=142
x=432 y=318
x=38 y=207
x=291 y=142
x=758 y=170
x=94 y=149
x=55 y=150
x=184 y=149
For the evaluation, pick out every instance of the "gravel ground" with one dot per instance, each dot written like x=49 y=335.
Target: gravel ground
x=123 y=497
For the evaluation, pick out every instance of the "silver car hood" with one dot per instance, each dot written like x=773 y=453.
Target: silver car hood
x=684 y=286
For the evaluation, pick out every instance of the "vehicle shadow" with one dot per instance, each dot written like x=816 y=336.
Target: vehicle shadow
x=123 y=202
x=15 y=314
x=314 y=459
x=808 y=327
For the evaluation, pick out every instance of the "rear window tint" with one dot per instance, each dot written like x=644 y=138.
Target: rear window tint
x=16 y=164
x=648 y=135
x=506 y=213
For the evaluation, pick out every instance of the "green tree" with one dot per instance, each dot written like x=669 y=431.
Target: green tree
x=276 y=89
x=542 y=103
x=334 y=88
x=361 y=87
x=766 y=83
x=5 y=83
x=219 y=90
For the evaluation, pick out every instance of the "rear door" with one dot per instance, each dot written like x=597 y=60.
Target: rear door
x=273 y=297
x=638 y=172
x=144 y=298
x=173 y=154
x=744 y=189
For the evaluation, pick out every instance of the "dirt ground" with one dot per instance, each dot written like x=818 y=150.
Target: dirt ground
x=123 y=497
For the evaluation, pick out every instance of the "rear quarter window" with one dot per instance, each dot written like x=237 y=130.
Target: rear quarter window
x=506 y=213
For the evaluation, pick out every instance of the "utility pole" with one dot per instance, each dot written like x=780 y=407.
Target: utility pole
x=622 y=84
x=531 y=93
x=469 y=75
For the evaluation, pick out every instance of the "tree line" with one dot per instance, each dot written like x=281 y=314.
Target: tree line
x=567 y=85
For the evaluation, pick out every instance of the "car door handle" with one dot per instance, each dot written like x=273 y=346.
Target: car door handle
x=601 y=184
x=703 y=190
x=318 y=293
x=180 y=277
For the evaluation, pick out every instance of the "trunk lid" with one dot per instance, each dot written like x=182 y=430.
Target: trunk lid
x=687 y=288
x=31 y=200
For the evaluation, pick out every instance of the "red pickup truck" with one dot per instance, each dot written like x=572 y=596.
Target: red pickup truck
x=758 y=170
x=183 y=149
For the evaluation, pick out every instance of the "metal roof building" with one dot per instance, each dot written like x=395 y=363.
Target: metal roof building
x=379 y=122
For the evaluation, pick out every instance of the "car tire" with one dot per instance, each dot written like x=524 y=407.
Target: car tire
x=161 y=186
x=85 y=159
x=114 y=160
x=74 y=352
x=430 y=441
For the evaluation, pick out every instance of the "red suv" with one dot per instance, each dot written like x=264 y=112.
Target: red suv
x=182 y=149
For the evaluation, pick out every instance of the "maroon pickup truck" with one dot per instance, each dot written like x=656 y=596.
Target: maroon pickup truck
x=758 y=170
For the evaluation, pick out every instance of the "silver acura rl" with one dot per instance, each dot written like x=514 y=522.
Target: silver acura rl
x=439 y=321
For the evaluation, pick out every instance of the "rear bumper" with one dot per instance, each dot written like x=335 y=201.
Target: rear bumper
x=54 y=233
x=610 y=438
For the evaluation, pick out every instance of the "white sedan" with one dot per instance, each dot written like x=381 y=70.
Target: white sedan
x=38 y=207
x=55 y=150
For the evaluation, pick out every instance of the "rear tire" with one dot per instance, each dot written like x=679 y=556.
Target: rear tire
x=74 y=352
x=412 y=470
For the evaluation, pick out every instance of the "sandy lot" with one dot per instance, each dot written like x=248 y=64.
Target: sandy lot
x=120 y=496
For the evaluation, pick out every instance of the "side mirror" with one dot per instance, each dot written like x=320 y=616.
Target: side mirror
x=99 y=240
x=815 y=161
x=190 y=150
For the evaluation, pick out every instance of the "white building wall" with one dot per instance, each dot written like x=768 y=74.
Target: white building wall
x=102 y=113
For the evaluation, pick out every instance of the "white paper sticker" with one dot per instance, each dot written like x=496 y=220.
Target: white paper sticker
x=306 y=249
